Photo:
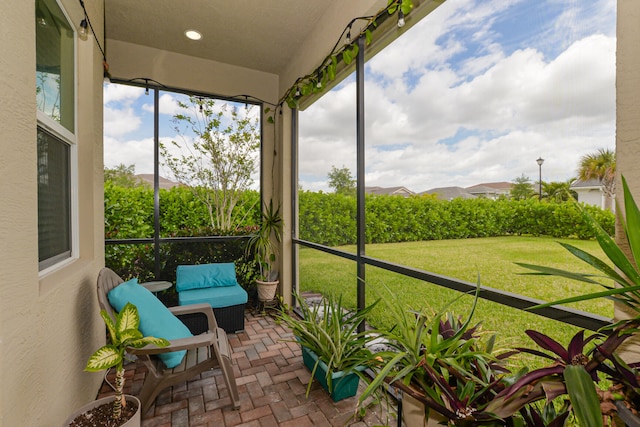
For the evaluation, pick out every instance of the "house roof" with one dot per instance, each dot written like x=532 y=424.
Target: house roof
x=389 y=191
x=164 y=182
x=449 y=193
x=493 y=185
x=589 y=183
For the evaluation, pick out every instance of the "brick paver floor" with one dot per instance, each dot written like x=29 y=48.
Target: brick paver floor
x=272 y=382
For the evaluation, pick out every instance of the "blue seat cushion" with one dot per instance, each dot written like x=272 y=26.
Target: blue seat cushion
x=219 y=297
x=155 y=318
x=205 y=276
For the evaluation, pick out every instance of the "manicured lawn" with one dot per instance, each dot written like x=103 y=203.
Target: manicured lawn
x=491 y=258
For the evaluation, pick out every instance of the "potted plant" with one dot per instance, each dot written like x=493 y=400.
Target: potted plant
x=332 y=348
x=120 y=410
x=263 y=246
x=455 y=374
x=574 y=370
x=447 y=369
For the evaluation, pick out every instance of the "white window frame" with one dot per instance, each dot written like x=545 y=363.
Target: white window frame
x=69 y=138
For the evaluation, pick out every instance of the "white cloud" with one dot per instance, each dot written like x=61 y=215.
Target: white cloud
x=119 y=122
x=121 y=93
x=514 y=107
x=128 y=152
x=473 y=93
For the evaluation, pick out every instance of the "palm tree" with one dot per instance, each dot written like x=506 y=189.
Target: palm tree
x=558 y=191
x=600 y=165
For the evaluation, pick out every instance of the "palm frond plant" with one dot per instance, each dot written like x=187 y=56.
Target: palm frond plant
x=262 y=249
x=263 y=243
x=123 y=333
x=330 y=331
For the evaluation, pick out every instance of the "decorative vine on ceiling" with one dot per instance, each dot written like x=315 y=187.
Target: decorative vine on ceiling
x=317 y=80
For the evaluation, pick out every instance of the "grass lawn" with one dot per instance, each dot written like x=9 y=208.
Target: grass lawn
x=491 y=258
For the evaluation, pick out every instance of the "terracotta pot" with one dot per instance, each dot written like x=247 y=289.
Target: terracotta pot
x=413 y=414
x=267 y=290
x=134 y=421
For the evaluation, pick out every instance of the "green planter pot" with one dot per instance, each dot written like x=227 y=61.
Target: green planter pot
x=344 y=385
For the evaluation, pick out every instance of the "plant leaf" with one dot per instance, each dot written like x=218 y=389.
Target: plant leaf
x=105 y=357
x=632 y=221
x=127 y=319
x=111 y=327
x=548 y=343
x=583 y=396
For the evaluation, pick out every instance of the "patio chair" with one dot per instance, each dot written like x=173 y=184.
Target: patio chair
x=190 y=355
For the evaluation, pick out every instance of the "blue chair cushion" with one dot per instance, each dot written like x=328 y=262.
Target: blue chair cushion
x=219 y=297
x=205 y=276
x=155 y=318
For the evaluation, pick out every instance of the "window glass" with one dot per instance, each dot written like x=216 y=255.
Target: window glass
x=55 y=97
x=327 y=168
x=54 y=63
x=54 y=199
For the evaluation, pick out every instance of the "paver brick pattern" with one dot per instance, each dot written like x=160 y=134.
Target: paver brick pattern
x=272 y=382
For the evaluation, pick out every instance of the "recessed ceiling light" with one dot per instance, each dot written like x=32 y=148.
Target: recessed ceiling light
x=193 y=34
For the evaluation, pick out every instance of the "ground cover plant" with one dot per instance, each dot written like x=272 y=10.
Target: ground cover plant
x=492 y=258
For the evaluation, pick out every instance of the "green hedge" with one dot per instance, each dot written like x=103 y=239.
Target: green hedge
x=129 y=214
x=325 y=218
x=330 y=219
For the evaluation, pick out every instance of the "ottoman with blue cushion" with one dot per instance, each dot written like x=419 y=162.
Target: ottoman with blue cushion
x=216 y=285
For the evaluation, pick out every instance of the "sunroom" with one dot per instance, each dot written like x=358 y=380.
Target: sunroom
x=259 y=53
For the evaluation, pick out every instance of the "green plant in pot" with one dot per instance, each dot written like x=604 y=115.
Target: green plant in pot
x=123 y=334
x=263 y=247
x=333 y=349
x=447 y=368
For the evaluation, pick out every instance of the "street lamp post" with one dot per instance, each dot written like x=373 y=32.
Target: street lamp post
x=540 y=161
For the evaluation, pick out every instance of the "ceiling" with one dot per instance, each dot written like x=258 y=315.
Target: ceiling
x=257 y=34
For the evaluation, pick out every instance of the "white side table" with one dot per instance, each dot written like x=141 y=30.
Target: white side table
x=157 y=286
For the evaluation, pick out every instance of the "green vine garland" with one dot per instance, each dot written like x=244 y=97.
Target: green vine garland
x=316 y=81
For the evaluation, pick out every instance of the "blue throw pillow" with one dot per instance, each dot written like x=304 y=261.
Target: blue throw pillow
x=155 y=319
x=205 y=276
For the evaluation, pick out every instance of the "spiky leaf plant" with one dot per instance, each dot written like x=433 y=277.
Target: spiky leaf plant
x=123 y=333
x=330 y=330
x=626 y=275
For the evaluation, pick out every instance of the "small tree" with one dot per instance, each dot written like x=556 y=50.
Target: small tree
x=521 y=188
x=341 y=181
x=123 y=176
x=218 y=155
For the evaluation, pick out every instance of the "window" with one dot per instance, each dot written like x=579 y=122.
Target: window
x=54 y=199
x=55 y=97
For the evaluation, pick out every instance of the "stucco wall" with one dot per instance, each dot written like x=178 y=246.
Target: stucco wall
x=49 y=325
x=627 y=120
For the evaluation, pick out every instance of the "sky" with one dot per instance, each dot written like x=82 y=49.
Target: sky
x=473 y=93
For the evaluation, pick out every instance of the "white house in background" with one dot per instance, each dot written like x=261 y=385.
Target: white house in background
x=590 y=192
